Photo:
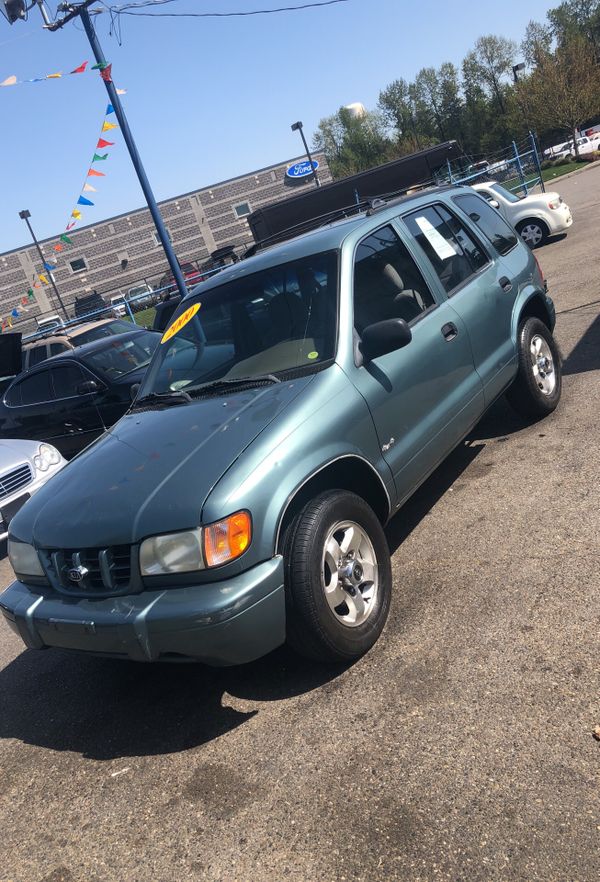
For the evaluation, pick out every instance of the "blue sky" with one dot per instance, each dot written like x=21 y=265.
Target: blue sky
x=207 y=99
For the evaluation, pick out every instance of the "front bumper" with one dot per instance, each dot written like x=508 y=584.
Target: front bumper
x=219 y=623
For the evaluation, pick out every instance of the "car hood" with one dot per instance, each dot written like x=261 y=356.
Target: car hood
x=152 y=472
x=14 y=452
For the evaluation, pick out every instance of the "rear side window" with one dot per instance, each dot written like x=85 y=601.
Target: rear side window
x=57 y=348
x=452 y=250
x=489 y=221
x=37 y=354
x=36 y=388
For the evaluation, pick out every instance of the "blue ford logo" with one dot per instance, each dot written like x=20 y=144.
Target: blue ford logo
x=301 y=169
x=76 y=574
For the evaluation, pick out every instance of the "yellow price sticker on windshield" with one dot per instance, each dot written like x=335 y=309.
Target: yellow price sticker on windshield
x=180 y=322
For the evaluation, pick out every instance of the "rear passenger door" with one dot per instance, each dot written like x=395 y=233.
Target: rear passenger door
x=478 y=285
x=425 y=397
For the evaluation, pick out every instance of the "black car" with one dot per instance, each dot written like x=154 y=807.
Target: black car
x=70 y=399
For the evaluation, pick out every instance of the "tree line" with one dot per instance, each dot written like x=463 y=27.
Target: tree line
x=484 y=105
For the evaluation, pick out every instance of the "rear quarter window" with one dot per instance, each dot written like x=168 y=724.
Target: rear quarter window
x=488 y=220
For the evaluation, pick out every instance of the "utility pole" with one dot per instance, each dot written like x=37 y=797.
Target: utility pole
x=81 y=11
x=25 y=215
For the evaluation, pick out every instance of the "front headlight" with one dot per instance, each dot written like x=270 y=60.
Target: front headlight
x=24 y=559
x=46 y=457
x=172 y=553
x=211 y=546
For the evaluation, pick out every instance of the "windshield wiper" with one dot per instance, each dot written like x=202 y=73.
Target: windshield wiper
x=166 y=398
x=227 y=383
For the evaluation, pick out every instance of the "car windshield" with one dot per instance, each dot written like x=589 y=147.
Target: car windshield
x=506 y=194
x=107 y=330
x=278 y=320
x=122 y=355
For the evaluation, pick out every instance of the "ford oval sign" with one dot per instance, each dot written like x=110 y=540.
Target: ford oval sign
x=301 y=169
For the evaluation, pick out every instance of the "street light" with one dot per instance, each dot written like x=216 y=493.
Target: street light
x=25 y=215
x=516 y=69
x=297 y=127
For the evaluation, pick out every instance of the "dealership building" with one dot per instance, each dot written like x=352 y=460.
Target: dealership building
x=117 y=254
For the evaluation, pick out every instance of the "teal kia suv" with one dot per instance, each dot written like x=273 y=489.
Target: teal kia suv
x=293 y=405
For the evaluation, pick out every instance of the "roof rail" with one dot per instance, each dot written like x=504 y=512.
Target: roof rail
x=368 y=206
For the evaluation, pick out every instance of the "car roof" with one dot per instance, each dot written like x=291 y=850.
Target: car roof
x=328 y=237
x=69 y=333
x=95 y=346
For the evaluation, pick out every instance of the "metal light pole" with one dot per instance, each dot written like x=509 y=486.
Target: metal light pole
x=81 y=11
x=297 y=127
x=25 y=215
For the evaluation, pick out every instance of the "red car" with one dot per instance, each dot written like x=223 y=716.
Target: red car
x=191 y=274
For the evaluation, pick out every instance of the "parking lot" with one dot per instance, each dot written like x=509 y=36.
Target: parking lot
x=459 y=748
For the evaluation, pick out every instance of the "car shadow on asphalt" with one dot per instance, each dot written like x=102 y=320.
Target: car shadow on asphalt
x=585 y=356
x=106 y=709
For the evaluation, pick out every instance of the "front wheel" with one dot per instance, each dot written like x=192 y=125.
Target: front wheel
x=536 y=389
x=338 y=578
x=533 y=232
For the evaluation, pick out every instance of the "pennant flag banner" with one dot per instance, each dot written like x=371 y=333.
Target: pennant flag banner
x=27 y=300
x=104 y=69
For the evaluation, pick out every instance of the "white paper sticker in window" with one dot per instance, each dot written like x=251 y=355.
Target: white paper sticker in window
x=441 y=246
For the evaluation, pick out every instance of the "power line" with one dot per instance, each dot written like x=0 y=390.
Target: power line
x=132 y=9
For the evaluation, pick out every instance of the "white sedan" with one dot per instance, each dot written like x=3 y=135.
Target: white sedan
x=24 y=467
x=534 y=217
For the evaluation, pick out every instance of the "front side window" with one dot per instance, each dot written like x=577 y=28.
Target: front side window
x=67 y=379
x=451 y=249
x=387 y=282
x=122 y=356
x=500 y=234
x=277 y=320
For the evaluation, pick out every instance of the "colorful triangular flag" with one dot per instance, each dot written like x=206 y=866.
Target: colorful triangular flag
x=30 y=294
x=55 y=76
x=49 y=266
x=64 y=238
x=102 y=143
x=36 y=285
x=24 y=301
x=9 y=322
x=43 y=278
x=106 y=73
x=69 y=226
x=9 y=81
x=95 y=174
x=57 y=248
x=98 y=158
x=83 y=201
x=76 y=214
x=15 y=313
x=110 y=109
x=100 y=66
x=87 y=188
x=80 y=69
x=121 y=91
x=108 y=126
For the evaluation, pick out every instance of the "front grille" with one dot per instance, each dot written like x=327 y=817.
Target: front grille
x=12 y=481
x=91 y=571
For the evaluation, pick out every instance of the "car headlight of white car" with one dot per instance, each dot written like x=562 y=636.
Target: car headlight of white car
x=46 y=457
x=24 y=559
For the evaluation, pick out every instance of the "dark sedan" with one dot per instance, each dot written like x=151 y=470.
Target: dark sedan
x=70 y=399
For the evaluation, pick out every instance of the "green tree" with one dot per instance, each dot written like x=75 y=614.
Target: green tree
x=536 y=43
x=489 y=63
x=564 y=89
x=353 y=142
x=397 y=106
x=577 y=18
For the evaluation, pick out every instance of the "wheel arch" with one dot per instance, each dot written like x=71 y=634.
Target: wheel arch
x=349 y=472
x=533 y=219
x=534 y=307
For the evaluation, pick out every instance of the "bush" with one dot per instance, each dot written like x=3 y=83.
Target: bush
x=590 y=157
x=546 y=163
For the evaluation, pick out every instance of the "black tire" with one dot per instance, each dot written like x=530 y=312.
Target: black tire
x=527 y=394
x=533 y=232
x=314 y=628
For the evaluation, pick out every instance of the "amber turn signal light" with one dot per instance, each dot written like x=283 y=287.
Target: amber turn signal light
x=227 y=539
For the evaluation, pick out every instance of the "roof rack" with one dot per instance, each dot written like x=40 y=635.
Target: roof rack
x=368 y=206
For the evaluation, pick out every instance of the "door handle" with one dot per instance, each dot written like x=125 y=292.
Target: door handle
x=449 y=331
x=506 y=284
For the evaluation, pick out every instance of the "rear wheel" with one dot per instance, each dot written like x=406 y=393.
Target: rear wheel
x=533 y=231
x=536 y=389
x=338 y=578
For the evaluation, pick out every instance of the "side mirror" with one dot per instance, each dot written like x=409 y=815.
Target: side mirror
x=133 y=391
x=87 y=386
x=494 y=203
x=383 y=337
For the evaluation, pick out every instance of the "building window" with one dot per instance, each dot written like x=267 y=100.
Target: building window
x=78 y=266
x=156 y=240
x=242 y=209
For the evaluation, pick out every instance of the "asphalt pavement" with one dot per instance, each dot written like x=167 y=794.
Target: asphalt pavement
x=460 y=748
